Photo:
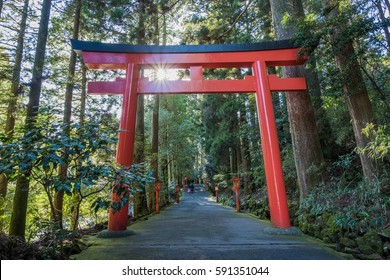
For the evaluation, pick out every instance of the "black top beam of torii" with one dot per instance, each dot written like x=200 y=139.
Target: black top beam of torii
x=79 y=46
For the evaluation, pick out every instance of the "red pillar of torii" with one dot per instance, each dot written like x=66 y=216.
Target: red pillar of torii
x=258 y=56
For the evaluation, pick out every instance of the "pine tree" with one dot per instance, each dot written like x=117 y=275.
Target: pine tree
x=353 y=87
x=63 y=170
x=15 y=93
x=18 y=219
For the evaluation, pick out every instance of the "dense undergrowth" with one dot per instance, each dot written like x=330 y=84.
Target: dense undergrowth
x=352 y=218
x=53 y=244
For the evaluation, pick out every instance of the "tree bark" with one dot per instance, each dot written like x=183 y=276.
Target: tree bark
x=354 y=90
x=304 y=133
x=387 y=2
x=12 y=105
x=245 y=154
x=77 y=197
x=233 y=160
x=3 y=197
x=63 y=170
x=15 y=85
x=139 y=155
x=383 y=20
x=19 y=212
x=155 y=117
x=156 y=103
x=155 y=114
x=140 y=198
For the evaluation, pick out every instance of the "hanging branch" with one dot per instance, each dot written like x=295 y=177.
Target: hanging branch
x=236 y=20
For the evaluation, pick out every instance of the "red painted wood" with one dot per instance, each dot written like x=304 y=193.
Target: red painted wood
x=197 y=85
x=271 y=152
x=129 y=115
x=118 y=221
x=196 y=73
x=117 y=87
x=286 y=84
x=102 y=60
x=261 y=83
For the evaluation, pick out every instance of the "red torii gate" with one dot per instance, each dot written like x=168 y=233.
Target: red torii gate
x=257 y=56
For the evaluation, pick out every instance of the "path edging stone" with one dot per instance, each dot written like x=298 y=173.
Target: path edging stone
x=115 y=234
x=282 y=231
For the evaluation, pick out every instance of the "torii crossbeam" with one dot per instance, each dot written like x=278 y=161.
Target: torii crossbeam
x=257 y=56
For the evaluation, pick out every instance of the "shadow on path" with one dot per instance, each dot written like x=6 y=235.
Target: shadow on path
x=199 y=228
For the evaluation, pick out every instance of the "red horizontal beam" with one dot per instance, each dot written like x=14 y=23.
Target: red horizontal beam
x=286 y=84
x=201 y=86
x=104 y=60
x=198 y=86
x=117 y=87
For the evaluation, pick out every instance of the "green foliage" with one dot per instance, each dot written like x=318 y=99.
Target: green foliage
x=379 y=147
x=88 y=150
x=126 y=179
x=178 y=134
x=358 y=205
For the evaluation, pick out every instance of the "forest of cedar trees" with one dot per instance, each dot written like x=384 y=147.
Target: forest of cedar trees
x=57 y=143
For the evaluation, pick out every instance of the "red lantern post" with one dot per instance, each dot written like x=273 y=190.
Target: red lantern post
x=216 y=194
x=157 y=188
x=236 y=186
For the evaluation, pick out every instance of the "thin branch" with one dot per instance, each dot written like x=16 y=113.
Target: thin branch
x=92 y=193
x=9 y=27
x=236 y=20
x=377 y=88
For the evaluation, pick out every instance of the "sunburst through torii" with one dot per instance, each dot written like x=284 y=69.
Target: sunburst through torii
x=258 y=56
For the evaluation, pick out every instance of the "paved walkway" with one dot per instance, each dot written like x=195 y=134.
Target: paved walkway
x=198 y=228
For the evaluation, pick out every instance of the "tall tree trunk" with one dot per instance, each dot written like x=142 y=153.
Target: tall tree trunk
x=155 y=114
x=63 y=170
x=383 y=20
x=15 y=85
x=156 y=103
x=76 y=199
x=233 y=160
x=387 y=2
x=238 y=152
x=354 y=90
x=12 y=105
x=140 y=200
x=18 y=218
x=245 y=154
x=155 y=117
x=3 y=197
x=323 y=125
x=139 y=155
x=304 y=134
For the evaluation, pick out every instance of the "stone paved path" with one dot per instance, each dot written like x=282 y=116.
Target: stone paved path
x=199 y=228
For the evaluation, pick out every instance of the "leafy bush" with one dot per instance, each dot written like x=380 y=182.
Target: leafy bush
x=379 y=147
x=355 y=207
x=87 y=154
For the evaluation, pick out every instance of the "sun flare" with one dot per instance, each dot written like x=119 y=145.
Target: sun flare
x=161 y=74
